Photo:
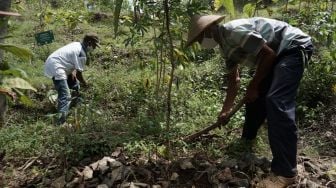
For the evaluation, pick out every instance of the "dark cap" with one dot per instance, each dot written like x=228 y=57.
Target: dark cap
x=91 y=37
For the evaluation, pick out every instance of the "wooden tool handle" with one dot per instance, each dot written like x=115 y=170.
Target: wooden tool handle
x=215 y=125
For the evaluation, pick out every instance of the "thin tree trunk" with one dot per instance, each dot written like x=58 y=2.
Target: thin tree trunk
x=4 y=6
x=171 y=57
x=286 y=7
x=255 y=8
x=157 y=85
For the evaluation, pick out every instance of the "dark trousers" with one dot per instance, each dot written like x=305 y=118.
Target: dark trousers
x=276 y=103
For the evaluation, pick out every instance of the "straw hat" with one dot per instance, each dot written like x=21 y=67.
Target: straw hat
x=4 y=13
x=199 y=24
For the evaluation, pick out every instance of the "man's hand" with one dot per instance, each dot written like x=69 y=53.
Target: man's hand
x=73 y=75
x=223 y=117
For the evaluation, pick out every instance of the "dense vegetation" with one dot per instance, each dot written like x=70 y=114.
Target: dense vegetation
x=146 y=90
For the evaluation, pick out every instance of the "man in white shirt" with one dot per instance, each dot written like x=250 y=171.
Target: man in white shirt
x=65 y=67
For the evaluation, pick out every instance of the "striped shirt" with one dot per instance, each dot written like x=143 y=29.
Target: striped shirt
x=242 y=39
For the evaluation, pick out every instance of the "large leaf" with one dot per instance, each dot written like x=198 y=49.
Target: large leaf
x=116 y=15
x=227 y=4
x=22 y=53
x=18 y=83
x=14 y=72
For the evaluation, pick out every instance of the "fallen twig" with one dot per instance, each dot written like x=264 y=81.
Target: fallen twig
x=29 y=163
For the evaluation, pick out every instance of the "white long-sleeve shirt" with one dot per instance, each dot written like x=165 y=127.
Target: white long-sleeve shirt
x=64 y=61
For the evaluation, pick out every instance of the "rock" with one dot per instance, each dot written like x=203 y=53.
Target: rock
x=134 y=185
x=311 y=184
x=186 y=164
x=205 y=164
x=59 y=182
x=94 y=166
x=300 y=169
x=164 y=184
x=144 y=185
x=232 y=163
x=144 y=174
x=224 y=175
x=115 y=164
x=102 y=164
x=102 y=186
x=305 y=183
x=238 y=183
x=117 y=152
x=119 y=173
x=74 y=183
x=331 y=184
x=87 y=173
x=108 y=181
x=174 y=176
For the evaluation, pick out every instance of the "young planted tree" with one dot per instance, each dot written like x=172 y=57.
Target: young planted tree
x=11 y=80
x=4 y=6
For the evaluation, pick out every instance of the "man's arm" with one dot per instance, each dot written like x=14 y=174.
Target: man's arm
x=266 y=58
x=231 y=93
x=79 y=76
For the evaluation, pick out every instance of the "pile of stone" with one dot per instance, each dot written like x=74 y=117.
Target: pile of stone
x=154 y=172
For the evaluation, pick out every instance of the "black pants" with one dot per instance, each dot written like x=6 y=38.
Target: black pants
x=276 y=103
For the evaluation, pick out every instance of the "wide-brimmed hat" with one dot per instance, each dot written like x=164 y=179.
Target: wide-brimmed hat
x=5 y=13
x=93 y=37
x=199 y=23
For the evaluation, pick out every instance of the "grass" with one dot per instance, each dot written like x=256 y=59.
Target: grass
x=119 y=108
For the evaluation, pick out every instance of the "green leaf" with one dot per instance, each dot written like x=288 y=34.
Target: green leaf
x=249 y=9
x=227 y=4
x=22 y=53
x=18 y=83
x=26 y=101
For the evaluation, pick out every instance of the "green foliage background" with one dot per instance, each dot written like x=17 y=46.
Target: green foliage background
x=126 y=103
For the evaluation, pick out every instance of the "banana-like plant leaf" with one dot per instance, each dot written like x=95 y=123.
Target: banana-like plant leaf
x=116 y=15
x=18 y=83
x=14 y=72
x=22 y=53
x=227 y=4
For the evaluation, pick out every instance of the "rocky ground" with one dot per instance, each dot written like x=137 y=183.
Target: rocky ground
x=119 y=171
x=199 y=171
